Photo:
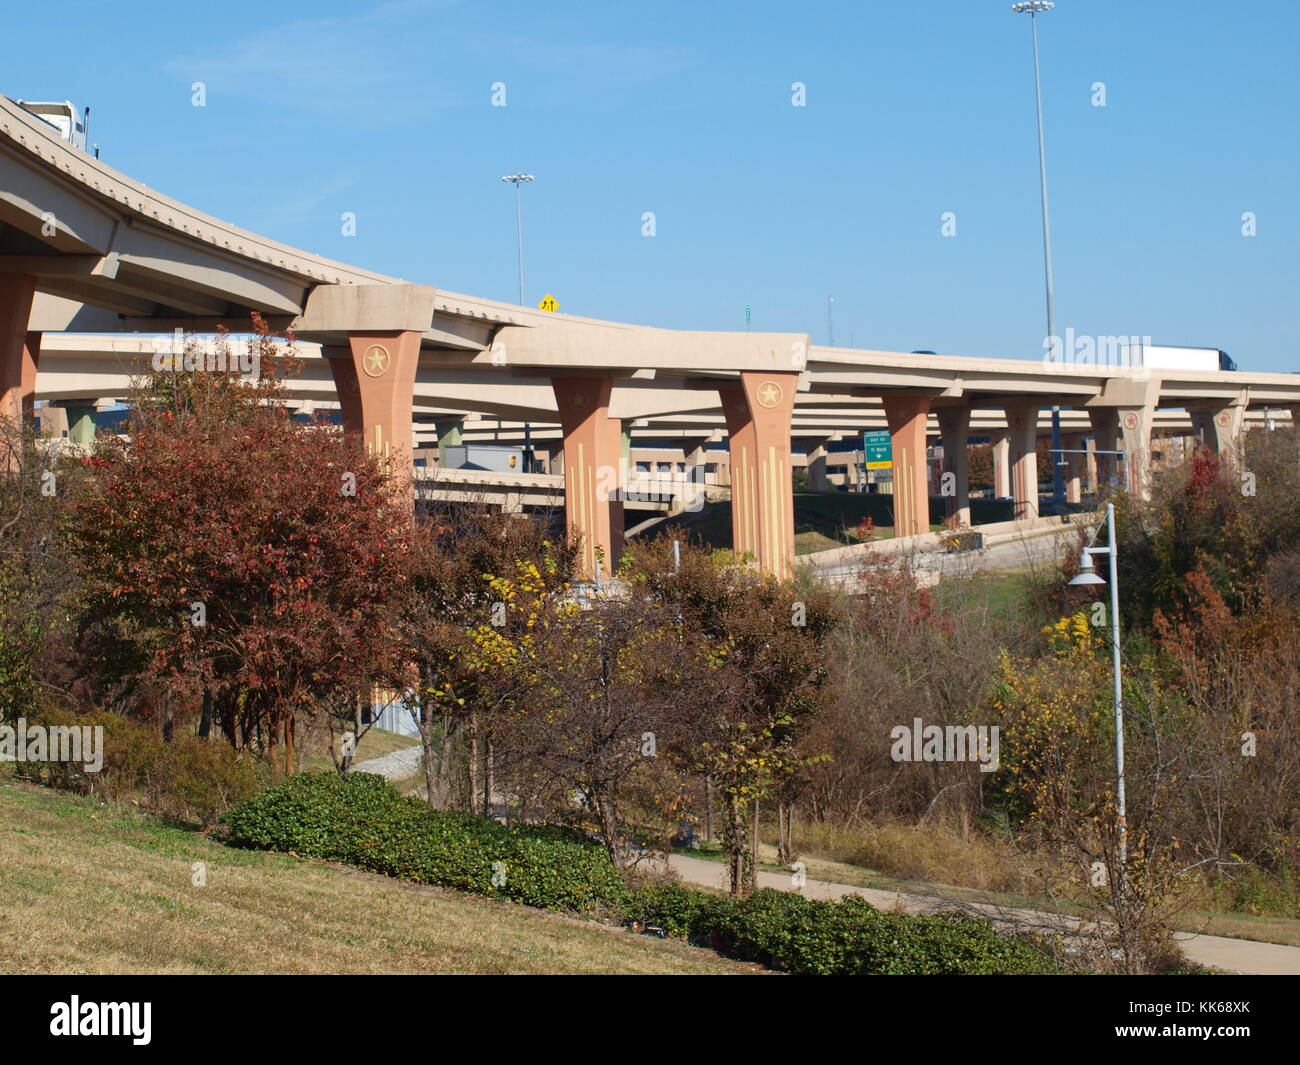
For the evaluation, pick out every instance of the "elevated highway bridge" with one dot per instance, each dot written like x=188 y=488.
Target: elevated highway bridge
x=94 y=265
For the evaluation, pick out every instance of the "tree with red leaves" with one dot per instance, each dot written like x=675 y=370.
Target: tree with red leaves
x=238 y=557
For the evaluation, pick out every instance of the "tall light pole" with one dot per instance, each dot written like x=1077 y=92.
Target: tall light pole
x=1088 y=576
x=518 y=180
x=1033 y=8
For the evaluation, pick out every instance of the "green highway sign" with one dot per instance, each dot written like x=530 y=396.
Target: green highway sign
x=878 y=449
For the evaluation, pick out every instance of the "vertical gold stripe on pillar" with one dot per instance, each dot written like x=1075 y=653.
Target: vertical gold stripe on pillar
x=771 y=512
x=740 y=497
x=579 y=523
x=900 y=494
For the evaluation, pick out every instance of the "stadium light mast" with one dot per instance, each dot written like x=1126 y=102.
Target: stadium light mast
x=1033 y=8
x=518 y=180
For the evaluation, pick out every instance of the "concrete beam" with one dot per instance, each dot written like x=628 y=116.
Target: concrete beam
x=334 y=309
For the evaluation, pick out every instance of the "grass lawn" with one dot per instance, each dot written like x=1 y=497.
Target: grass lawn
x=1004 y=595
x=91 y=888
x=823 y=520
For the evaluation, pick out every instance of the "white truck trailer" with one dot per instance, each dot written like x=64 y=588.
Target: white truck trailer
x=1161 y=357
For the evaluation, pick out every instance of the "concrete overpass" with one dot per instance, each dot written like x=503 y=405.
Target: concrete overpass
x=86 y=250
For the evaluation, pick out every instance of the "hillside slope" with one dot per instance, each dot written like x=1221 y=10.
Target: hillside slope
x=91 y=888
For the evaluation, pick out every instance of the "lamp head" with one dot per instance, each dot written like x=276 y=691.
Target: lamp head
x=1087 y=571
x=1032 y=7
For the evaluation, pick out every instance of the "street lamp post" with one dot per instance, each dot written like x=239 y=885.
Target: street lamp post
x=518 y=180
x=1033 y=8
x=1088 y=576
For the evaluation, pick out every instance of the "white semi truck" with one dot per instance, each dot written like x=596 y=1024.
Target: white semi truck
x=1161 y=357
x=63 y=117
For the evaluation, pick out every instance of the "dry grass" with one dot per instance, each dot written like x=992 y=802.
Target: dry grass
x=979 y=868
x=937 y=852
x=90 y=888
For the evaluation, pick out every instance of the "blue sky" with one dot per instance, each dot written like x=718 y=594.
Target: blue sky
x=684 y=109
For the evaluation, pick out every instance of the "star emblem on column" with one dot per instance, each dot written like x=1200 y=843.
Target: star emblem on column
x=375 y=361
x=769 y=395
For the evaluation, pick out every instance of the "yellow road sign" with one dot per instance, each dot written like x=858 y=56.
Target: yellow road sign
x=549 y=303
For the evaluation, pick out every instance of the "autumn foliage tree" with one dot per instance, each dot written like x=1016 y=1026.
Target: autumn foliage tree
x=241 y=559
x=764 y=678
x=469 y=566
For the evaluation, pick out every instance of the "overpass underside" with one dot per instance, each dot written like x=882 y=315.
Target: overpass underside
x=94 y=267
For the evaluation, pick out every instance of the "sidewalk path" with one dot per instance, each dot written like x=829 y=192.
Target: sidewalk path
x=396 y=765
x=1233 y=955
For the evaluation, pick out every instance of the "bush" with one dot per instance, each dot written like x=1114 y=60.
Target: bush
x=187 y=779
x=850 y=937
x=361 y=820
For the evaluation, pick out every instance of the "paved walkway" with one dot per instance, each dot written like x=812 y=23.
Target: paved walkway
x=1233 y=955
x=396 y=765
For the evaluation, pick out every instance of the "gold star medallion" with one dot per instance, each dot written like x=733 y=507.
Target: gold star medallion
x=375 y=361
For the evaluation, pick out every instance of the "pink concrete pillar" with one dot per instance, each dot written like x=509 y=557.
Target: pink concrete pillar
x=759 y=409
x=375 y=381
x=20 y=349
x=593 y=451
x=907 y=416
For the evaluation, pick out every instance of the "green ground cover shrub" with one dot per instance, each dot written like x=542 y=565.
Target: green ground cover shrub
x=361 y=820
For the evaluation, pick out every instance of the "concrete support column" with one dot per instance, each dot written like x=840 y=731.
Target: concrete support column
x=1105 y=437
x=593 y=449
x=449 y=435
x=818 y=448
x=1090 y=464
x=907 y=417
x=1219 y=426
x=20 y=349
x=1022 y=427
x=1295 y=423
x=954 y=431
x=78 y=416
x=1074 y=462
x=554 y=457
x=375 y=380
x=1135 y=427
x=758 y=410
x=1123 y=420
x=1002 y=464
x=694 y=452
x=54 y=420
